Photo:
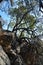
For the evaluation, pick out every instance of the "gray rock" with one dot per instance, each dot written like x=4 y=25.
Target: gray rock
x=4 y=60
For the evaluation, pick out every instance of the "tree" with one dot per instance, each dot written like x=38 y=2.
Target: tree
x=25 y=42
x=20 y=14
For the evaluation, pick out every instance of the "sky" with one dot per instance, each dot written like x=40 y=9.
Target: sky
x=6 y=18
x=5 y=15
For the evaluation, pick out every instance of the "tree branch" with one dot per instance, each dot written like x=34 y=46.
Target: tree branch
x=22 y=17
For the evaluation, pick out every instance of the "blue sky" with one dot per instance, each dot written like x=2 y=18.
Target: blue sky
x=6 y=18
x=3 y=10
x=4 y=13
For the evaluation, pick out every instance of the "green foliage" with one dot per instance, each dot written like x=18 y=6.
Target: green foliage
x=20 y=3
x=28 y=20
x=11 y=24
x=17 y=11
x=31 y=20
x=22 y=9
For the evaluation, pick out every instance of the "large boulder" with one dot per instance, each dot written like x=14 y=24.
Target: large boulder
x=4 y=60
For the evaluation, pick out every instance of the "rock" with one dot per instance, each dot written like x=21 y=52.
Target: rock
x=4 y=60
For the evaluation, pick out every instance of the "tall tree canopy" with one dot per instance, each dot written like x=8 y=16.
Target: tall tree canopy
x=24 y=23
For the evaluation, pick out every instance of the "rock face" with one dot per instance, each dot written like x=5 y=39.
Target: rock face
x=4 y=60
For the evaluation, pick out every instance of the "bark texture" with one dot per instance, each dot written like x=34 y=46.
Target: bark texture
x=4 y=60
